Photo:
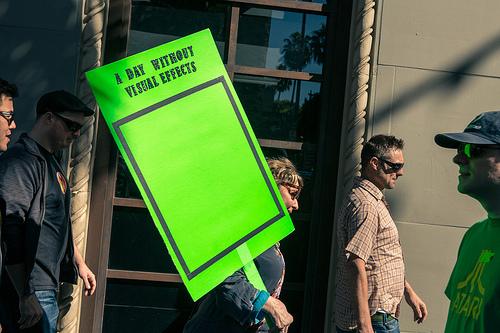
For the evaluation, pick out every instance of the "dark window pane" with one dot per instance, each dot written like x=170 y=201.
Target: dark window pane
x=125 y=185
x=133 y=319
x=281 y=40
x=147 y=294
x=294 y=301
x=136 y=244
x=139 y=306
x=295 y=248
x=157 y=22
x=280 y=109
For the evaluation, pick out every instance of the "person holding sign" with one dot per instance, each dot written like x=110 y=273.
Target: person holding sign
x=36 y=230
x=236 y=306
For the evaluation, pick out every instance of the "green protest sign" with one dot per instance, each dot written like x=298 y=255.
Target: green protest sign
x=182 y=131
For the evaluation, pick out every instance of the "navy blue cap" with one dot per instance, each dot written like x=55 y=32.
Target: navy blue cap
x=62 y=101
x=483 y=130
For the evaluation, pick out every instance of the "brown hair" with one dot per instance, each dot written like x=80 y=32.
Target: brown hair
x=378 y=146
x=284 y=172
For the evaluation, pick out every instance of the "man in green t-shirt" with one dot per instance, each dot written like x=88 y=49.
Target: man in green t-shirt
x=474 y=285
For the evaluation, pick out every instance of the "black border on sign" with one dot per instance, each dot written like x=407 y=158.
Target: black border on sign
x=116 y=125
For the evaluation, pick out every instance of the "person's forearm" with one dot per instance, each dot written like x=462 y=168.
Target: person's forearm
x=415 y=302
x=408 y=289
x=78 y=257
x=361 y=292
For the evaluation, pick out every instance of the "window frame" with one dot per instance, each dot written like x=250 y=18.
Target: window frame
x=103 y=198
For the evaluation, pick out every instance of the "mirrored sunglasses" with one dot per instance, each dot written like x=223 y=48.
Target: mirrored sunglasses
x=473 y=151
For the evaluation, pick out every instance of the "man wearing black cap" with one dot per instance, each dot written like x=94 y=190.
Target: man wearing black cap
x=474 y=285
x=36 y=231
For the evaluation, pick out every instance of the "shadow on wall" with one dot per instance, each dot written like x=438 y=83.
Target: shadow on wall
x=456 y=75
x=446 y=83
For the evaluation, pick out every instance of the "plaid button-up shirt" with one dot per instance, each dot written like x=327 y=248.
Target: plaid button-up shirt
x=365 y=228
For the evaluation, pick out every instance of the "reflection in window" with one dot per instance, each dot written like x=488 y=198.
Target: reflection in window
x=157 y=22
x=280 y=109
x=281 y=40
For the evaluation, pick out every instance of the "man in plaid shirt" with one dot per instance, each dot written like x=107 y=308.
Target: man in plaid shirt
x=370 y=281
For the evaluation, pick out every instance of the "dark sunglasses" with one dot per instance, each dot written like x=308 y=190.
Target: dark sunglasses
x=72 y=126
x=8 y=115
x=473 y=151
x=393 y=166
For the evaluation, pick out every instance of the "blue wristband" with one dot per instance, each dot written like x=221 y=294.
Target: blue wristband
x=258 y=304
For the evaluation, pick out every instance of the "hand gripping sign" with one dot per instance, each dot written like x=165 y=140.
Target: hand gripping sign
x=182 y=131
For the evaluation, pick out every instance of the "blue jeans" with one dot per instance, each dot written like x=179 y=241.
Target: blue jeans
x=48 y=302
x=387 y=325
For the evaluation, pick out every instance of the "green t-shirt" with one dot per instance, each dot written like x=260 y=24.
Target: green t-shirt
x=474 y=285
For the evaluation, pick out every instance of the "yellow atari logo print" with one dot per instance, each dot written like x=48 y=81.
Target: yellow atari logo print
x=469 y=299
x=473 y=280
x=62 y=182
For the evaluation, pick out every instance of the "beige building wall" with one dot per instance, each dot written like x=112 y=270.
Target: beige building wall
x=434 y=66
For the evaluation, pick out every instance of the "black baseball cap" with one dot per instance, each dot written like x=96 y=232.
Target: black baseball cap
x=483 y=130
x=61 y=101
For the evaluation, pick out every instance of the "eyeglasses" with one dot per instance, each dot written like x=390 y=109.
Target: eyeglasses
x=8 y=115
x=72 y=126
x=289 y=187
x=473 y=151
x=393 y=166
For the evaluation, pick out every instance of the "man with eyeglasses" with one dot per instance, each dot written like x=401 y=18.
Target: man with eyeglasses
x=474 y=285
x=36 y=231
x=8 y=92
x=370 y=280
